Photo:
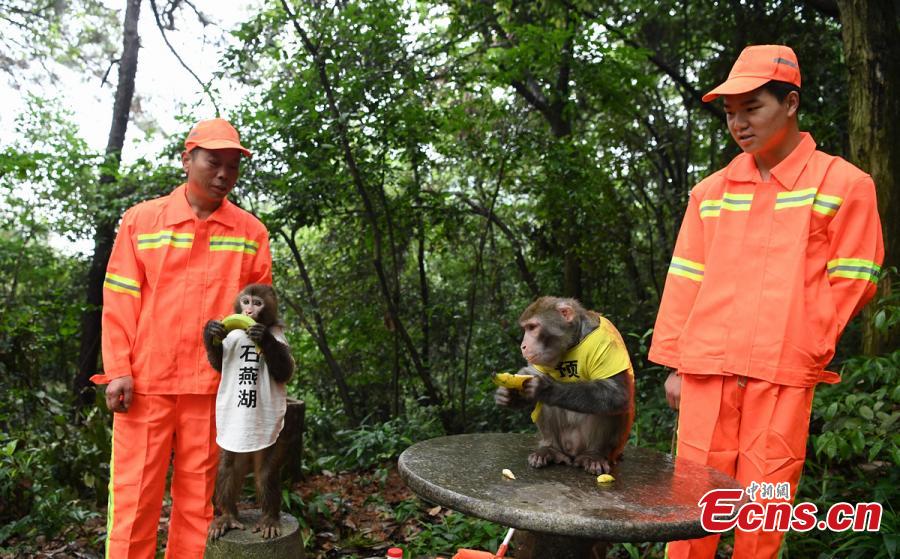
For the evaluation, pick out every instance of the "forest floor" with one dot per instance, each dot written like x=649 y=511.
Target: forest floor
x=347 y=514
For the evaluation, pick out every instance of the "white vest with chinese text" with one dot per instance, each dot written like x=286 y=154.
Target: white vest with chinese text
x=250 y=405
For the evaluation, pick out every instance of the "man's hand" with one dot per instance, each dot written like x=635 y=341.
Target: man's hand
x=118 y=394
x=673 y=390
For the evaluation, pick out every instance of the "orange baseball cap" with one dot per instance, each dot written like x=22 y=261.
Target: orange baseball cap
x=757 y=65
x=215 y=133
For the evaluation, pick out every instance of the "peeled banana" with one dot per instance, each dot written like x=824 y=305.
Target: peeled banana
x=237 y=321
x=508 y=380
x=605 y=478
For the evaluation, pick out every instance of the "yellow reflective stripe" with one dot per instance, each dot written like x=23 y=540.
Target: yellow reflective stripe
x=795 y=198
x=234 y=244
x=711 y=211
x=853 y=268
x=827 y=205
x=822 y=203
x=687 y=268
x=730 y=201
x=111 y=499
x=121 y=284
x=165 y=238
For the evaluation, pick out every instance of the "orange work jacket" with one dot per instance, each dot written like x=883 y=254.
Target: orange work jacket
x=169 y=273
x=766 y=274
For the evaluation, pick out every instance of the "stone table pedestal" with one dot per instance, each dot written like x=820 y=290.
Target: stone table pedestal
x=653 y=498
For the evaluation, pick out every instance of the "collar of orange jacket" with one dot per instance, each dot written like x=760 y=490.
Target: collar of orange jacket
x=178 y=210
x=743 y=167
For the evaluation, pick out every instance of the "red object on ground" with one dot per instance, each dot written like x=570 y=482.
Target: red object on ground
x=473 y=554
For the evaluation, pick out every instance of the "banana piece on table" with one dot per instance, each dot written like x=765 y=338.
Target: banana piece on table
x=508 y=380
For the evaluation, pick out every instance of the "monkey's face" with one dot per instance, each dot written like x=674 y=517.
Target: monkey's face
x=535 y=348
x=252 y=306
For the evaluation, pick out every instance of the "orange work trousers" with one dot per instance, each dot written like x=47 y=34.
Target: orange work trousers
x=750 y=429
x=144 y=441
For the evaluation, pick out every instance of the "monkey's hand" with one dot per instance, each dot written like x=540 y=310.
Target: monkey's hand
x=536 y=387
x=256 y=332
x=213 y=332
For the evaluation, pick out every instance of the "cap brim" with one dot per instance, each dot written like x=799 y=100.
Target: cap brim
x=220 y=144
x=735 y=86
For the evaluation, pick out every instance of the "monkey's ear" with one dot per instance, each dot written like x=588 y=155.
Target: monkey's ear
x=566 y=310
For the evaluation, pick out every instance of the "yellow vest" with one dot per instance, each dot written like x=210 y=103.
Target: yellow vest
x=601 y=354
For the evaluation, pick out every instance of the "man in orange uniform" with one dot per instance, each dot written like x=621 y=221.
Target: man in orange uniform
x=776 y=253
x=178 y=261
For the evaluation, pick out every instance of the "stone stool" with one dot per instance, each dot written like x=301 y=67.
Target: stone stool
x=245 y=544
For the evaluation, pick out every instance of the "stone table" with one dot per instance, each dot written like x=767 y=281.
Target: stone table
x=653 y=498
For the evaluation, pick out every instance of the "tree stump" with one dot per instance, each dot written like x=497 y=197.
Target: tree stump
x=245 y=544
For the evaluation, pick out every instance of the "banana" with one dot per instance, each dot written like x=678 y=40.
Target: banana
x=605 y=478
x=508 y=380
x=237 y=321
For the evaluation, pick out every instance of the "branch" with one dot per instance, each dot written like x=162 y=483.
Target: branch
x=565 y=63
x=200 y=15
x=473 y=290
x=108 y=70
x=162 y=31
x=521 y=264
x=532 y=94
x=657 y=60
x=318 y=332
x=714 y=110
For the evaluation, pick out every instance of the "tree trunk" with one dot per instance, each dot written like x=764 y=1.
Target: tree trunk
x=105 y=230
x=872 y=52
x=317 y=332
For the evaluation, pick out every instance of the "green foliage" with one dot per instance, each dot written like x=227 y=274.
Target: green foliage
x=886 y=307
x=80 y=34
x=856 y=456
x=40 y=297
x=372 y=444
x=454 y=531
x=52 y=471
x=857 y=419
